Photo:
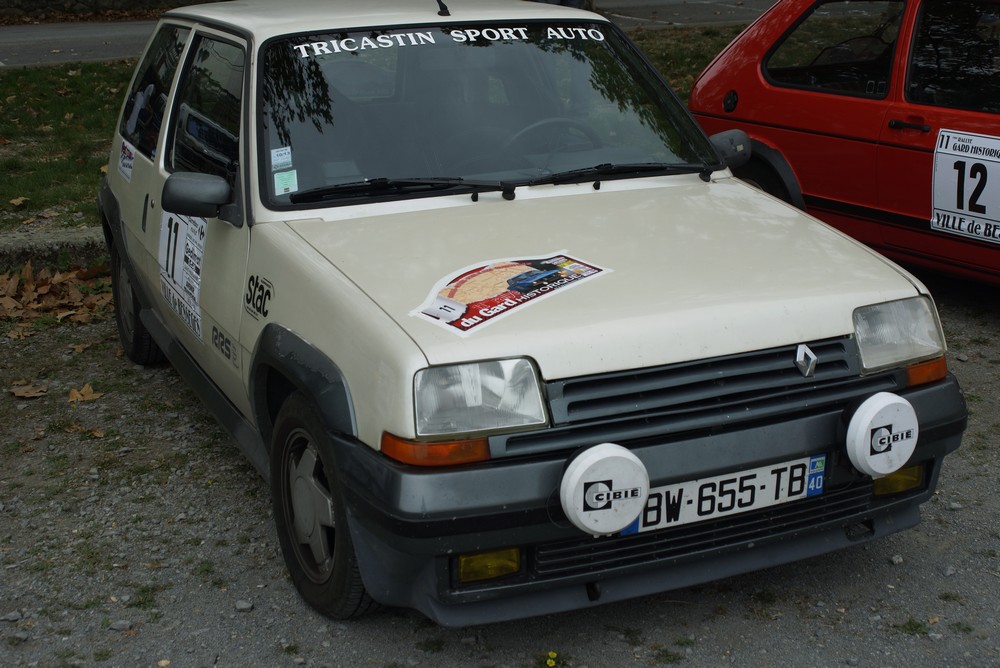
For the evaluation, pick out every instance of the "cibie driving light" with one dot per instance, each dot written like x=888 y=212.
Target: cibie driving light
x=898 y=333
x=476 y=397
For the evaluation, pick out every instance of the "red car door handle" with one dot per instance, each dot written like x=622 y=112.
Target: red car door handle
x=897 y=124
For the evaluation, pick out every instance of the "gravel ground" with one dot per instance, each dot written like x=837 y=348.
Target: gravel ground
x=132 y=533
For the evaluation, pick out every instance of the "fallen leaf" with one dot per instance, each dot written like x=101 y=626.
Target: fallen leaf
x=934 y=620
x=85 y=393
x=29 y=391
x=80 y=347
x=18 y=201
x=104 y=169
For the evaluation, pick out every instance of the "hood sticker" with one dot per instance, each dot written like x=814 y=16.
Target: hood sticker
x=479 y=294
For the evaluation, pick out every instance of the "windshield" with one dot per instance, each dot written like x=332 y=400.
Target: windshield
x=429 y=109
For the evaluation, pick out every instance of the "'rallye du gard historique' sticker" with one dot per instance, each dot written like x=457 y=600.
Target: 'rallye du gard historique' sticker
x=479 y=294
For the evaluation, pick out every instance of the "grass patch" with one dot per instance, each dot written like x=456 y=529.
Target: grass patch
x=431 y=645
x=961 y=627
x=144 y=596
x=682 y=53
x=56 y=125
x=913 y=627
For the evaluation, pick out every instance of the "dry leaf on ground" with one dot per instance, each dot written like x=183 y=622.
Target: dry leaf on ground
x=85 y=393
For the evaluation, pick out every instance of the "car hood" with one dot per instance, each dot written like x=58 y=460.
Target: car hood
x=679 y=270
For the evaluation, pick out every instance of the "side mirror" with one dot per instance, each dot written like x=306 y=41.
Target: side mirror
x=733 y=146
x=193 y=194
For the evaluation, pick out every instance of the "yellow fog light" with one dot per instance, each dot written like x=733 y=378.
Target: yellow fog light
x=903 y=480
x=488 y=565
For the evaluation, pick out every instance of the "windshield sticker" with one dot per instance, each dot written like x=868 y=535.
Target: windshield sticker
x=351 y=44
x=478 y=295
x=126 y=161
x=181 y=251
x=281 y=158
x=468 y=35
x=963 y=204
x=286 y=182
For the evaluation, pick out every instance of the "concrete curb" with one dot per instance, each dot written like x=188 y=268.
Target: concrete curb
x=55 y=248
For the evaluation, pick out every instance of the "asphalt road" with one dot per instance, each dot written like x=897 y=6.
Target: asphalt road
x=53 y=43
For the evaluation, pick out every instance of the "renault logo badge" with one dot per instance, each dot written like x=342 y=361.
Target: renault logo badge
x=805 y=360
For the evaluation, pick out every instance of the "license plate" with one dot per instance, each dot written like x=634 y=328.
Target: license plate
x=730 y=494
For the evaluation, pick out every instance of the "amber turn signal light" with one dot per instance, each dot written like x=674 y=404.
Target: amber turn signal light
x=449 y=453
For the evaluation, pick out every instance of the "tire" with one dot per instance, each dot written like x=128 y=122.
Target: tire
x=310 y=516
x=136 y=340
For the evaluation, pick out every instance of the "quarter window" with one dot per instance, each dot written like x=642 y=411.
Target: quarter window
x=841 y=47
x=147 y=100
x=955 y=53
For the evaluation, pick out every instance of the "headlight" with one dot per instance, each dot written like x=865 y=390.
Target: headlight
x=897 y=333
x=481 y=396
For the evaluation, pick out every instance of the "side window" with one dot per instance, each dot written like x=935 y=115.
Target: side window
x=147 y=100
x=841 y=47
x=206 y=131
x=955 y=50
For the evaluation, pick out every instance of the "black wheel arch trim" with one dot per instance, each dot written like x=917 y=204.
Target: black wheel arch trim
x=774 y=159
x=282 y=358
x=110 y=215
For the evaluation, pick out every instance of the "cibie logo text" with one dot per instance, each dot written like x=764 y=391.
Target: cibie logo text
x=883 y=438
x=601 y=494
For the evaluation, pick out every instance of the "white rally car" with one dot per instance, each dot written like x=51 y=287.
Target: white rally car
x=467 y=284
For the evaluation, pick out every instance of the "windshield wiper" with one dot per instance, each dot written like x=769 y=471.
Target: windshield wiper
x=621 y=169
x=383 y=185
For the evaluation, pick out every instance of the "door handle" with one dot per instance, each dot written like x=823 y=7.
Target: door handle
x=897 y=124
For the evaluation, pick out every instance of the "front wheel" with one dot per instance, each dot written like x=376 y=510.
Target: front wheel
x=136 y=340
x=310 y=516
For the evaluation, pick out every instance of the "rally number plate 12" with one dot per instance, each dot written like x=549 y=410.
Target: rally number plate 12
x=730 y=494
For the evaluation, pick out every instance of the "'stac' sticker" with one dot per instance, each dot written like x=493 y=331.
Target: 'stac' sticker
x=480 y=294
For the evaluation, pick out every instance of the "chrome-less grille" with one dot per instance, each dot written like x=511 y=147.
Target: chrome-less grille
x=633 y=406
x=725 y=381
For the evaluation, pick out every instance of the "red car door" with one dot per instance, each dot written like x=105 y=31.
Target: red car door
x=939 y=154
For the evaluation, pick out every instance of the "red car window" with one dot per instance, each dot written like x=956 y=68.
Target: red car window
x=842 y=47
x=955 y=51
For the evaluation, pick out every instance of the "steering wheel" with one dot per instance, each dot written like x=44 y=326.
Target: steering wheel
x=566 y=124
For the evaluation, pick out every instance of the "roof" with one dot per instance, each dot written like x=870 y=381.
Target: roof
x=267 y=18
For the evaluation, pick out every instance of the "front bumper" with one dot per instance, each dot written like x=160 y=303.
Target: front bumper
x=409 y=524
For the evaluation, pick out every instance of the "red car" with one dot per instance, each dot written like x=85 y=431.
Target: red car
x=880 y=117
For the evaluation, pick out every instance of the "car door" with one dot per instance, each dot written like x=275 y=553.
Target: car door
x=939 y=156
x=136 y=175
x=828 y=78
x=201 y=263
